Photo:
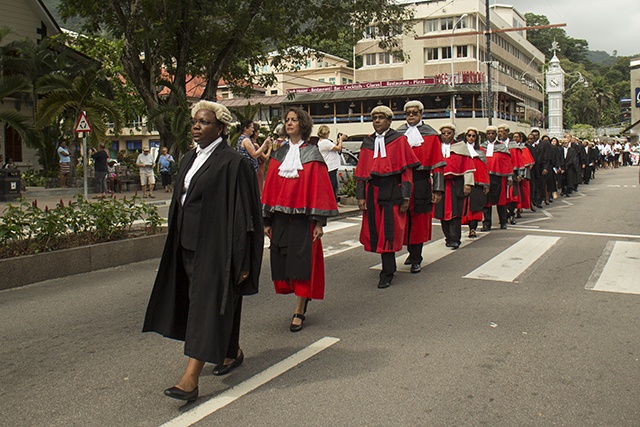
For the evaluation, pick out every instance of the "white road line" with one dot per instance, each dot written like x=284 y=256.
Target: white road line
x=431 y=253
x=513 y=261
x=520 y=222
x=582 y=233
x=220 y=401
x=347 y=245
x=547 y=213
x=618 y=269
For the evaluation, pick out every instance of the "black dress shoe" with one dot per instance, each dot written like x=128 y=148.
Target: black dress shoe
x=219 y=370
x=407 y=261
x=415 y=268
x=503 y=226
x=297 y=328
x=176 y=393
x=485 y=228
x=512 y=220
x=382 y=284
x=455 y=246
x=538 y=205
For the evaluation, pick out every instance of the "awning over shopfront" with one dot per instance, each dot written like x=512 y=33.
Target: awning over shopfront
x=255 y=100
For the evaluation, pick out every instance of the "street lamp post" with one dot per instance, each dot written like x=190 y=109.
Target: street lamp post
x=452 y=82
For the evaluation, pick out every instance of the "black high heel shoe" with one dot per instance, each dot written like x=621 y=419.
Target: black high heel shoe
x=297 y=328
x=219 y=370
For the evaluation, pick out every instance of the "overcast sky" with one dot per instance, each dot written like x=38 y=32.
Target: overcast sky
x=606 y=25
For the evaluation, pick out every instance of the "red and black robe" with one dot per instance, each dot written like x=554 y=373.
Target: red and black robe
x=292 y=206
x=457 y=173
x=385 y=182
x=500 y=168
x=427 y=178
x=477 y=199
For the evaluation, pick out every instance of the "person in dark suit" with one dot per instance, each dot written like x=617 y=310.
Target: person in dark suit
x=213 y=252
x=569 y=167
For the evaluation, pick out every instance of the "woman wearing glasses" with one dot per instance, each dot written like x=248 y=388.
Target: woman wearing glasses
x=478 y=197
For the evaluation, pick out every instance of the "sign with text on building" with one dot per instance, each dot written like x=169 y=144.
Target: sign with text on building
x=83 y=124
x=465 y=77
x=638 y=97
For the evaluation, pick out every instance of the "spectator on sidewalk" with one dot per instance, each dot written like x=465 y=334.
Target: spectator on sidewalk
x=166 y=164
x=100 y=158
x=65 y=163
x=147 y=178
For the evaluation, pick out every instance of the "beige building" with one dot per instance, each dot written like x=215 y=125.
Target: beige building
x=27 y=19
x=445 y=68
x=633 y=131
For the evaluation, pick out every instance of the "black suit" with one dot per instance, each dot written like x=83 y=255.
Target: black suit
x=569 y=166
x=214 y=238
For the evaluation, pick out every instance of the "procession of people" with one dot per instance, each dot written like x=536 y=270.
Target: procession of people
x=221 y=211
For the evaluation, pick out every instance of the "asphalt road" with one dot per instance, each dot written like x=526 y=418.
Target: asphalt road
x=435 y=349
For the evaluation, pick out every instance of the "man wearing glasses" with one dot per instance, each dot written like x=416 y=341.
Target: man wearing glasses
x=383 y=190
x=428 y=181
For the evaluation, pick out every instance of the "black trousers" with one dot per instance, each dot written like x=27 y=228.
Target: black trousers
x=502 y=215
x=415 y=253
x=188 y=258
x=388 y=266
x=452 y=230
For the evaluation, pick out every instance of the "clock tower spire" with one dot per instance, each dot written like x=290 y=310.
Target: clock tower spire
x=555 y=90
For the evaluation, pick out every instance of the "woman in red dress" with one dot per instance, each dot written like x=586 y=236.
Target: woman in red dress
x=296 y=201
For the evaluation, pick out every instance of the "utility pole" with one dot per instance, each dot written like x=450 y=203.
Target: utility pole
x=488 y=32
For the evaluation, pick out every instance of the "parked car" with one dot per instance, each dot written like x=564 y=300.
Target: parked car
x=348 y=163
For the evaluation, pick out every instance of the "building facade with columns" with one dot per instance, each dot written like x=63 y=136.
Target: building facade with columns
x=633 y=131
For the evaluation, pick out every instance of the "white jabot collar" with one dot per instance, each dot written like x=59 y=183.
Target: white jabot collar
x=472 y=150
x=446 y=150
x=380 y=149
x=291 y=164
x=413 y=135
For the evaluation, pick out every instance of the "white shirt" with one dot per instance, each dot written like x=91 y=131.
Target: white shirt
x=331 y=157
x=202 y=156
x=147 y=161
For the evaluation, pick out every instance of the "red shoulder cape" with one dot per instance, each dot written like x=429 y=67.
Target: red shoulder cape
x=400 y=156
x=429 y=153
x=311 y=193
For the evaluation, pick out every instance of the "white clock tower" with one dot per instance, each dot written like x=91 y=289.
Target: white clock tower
x=555 y=90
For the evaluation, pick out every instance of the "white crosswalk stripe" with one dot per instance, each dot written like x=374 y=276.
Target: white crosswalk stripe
x=431 y=253
x=513 y=261
x=618 y=269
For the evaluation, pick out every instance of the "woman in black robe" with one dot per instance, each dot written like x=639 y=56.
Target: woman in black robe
x=213 y=252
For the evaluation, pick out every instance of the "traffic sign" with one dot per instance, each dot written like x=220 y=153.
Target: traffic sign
x=83 y=124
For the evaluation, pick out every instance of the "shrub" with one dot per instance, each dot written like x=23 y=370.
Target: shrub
x=348 y=184
x=27 y=229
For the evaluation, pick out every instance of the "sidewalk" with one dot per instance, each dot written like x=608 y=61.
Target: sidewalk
x=51 y=197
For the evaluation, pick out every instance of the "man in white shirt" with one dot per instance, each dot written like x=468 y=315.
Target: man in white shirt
x=147 y=178
x=331 y=154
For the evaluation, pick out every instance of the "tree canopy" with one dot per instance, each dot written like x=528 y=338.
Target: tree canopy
x=224 y=39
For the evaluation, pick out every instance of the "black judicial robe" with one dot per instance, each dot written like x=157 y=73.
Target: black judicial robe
x=228 y=238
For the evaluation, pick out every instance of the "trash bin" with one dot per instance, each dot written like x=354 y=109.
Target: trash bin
x=9 y=184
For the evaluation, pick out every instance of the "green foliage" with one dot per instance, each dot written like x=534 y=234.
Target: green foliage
x=27 y=229
x=583 y=131
x=223 y=40
x=38 y=178
x=348 y=184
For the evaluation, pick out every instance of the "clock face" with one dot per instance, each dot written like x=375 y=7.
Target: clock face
x=553 y=82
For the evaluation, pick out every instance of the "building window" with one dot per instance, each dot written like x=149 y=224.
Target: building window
x=370 y=32
x=461 y=51
x=396 y=57
x=431 y=53
x=349 y=81
x=446 y=24
x=321 y=79
x=370 y=59
x=446 y=52
x=332 y=80
x=274 y=92
x=430 y=25
x=344 y=80
x=319 y=64
x=462 y=23
x=308 y=65
x=384 y=58
x=265 y=68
